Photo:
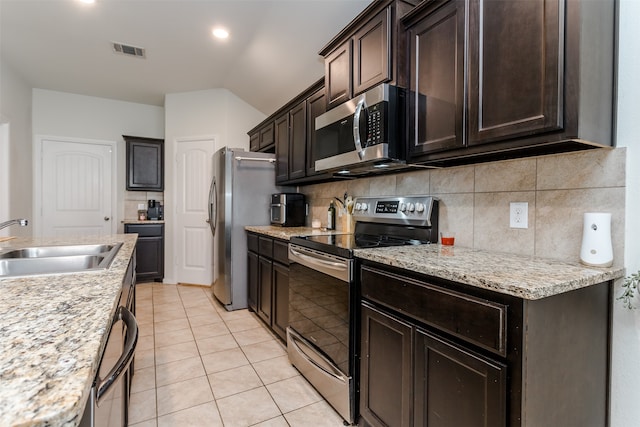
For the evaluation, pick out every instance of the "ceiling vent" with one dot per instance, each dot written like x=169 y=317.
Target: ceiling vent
x=128 y=50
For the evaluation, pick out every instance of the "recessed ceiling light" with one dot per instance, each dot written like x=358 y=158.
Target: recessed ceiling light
x=87 y=1
x=220 y=33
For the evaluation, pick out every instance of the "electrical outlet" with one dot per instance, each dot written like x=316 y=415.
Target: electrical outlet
x=141 y=206
x=518 y=215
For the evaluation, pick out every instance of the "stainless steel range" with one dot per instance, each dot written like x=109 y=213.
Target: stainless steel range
x=323 y=328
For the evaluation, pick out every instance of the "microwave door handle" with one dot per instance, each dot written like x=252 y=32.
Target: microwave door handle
x=362 y=104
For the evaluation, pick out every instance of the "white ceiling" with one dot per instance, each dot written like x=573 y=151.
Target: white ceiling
x=270 y=56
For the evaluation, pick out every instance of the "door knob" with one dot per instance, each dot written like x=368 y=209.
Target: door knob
x=106 y=218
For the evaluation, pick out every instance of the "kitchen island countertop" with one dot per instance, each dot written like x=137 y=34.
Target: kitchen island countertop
x=521 y=276
x=53 y=329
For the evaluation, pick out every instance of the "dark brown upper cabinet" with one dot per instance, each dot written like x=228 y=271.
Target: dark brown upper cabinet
x=261 y=138
x=512 y=79
x=145 y=163
x=368 y=51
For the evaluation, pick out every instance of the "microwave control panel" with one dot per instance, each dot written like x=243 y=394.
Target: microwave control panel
x=375 y=124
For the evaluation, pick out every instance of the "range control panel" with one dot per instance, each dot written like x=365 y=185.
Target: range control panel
x=413 y=210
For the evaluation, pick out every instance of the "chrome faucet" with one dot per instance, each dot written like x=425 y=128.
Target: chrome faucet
x=22 y=222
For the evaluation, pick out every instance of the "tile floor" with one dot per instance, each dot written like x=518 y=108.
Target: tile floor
x=199 y=365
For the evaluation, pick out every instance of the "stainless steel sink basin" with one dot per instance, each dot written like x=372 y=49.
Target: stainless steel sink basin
x=41 y=260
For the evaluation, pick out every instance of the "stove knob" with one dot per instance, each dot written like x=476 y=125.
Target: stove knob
x=358 y=206
x=403 y=207
x=411 y=207
x=419 y=207
x=365 y=207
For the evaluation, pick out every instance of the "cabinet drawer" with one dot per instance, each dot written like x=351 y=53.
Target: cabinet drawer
x=473 y=319
x=145 y=230
x=252 y=242
x=281 y=252
x=265 y=245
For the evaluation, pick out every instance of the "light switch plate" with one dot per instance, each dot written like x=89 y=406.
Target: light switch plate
x=519 y=215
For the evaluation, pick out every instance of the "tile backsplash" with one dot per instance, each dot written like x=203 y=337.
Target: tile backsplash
x=474 y=200
x=133 y=198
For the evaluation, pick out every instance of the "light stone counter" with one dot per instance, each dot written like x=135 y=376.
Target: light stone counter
x=286 y=233
x=52 y=332
x=525 y=277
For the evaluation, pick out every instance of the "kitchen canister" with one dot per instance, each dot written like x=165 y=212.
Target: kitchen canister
x=596 y=248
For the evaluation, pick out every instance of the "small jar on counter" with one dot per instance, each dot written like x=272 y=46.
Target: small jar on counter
x=142 y=215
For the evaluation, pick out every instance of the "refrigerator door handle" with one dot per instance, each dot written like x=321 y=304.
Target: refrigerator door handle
x=213 y=206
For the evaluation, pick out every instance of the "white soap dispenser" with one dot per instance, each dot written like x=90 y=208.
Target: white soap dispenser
x=596 y=248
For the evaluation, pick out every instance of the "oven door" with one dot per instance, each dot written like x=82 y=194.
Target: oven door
x=319 y=335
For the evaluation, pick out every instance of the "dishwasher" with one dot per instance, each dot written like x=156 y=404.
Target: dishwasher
x=109 y=400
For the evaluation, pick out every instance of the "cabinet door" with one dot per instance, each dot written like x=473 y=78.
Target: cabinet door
x=280 y=318
x=437 y=80
x=253 y=278
x=454 y=387
x=337 y=75
x=149 y=258
x=145 y=164
x=515 y=68
x=266 y=136
x=282 y=148
x=385 y=387
x=316 y=105
x=298 y=140
x=254 y=141
x=372 y=53
x=264 y=289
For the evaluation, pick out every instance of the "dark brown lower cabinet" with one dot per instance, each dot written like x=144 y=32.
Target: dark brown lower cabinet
x=438 y=353
x=268 y=281
x=149 y=251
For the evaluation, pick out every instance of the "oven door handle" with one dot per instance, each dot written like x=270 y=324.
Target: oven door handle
x=317 y=260
x=313 y=357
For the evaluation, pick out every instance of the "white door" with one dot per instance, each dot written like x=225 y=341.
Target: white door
x=76 y=188
x=194 y=241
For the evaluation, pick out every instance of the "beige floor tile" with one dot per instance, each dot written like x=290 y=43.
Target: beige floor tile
x=235 y=413
x=242 y=324
x=175 y=352
x=263 y=351
x=145 y=343
x=319 y=414
x=273 y=422
x=215 y=344
x=205 y=415
x=196 y=301
x=183 y=395
x=143 y=318
x=148 y=423
x=164 y=339
x=143 y=379
x=252 y=336
x=179 y=370
x=223 y=360
x=293 y=393
x=171 y=325
x=203 y=310
x=163 y=316
x=233 y=381
x=276 y=369
x=208 y=331
x=204 y=319
x=142 y=406
x=145 y=329
x=144 y=359
x=233 y=315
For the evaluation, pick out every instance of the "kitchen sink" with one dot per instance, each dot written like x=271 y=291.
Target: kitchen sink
x=41 y=260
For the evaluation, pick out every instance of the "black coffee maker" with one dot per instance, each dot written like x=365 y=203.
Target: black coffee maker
x=154 y=210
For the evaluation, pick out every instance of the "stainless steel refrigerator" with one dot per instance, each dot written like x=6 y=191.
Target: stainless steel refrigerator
x=240 y=195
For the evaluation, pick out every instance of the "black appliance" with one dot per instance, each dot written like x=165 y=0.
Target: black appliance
x=323 y=314
x=155 y=210
x=363 y=135
x=288 y=209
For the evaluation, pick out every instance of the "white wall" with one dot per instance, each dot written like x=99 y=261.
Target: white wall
x=218 y=113
x=625 y=392
x=15 y=112
x=77 y=116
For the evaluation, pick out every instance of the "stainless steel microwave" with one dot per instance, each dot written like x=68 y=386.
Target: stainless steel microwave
x=363 y=134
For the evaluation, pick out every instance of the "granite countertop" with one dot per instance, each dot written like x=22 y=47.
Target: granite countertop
x=521 y=276
x=53 y=329
x=144 y=221
x=286 y=233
